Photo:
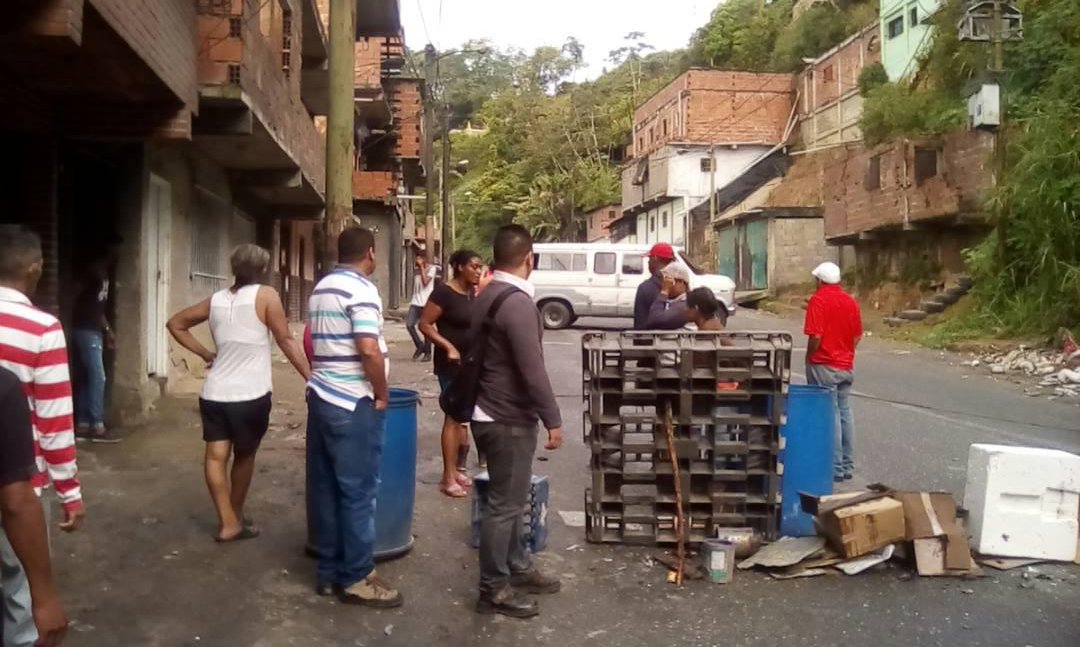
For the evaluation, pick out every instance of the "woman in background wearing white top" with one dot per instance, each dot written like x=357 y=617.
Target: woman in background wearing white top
x=423 y=284
x=235 y=401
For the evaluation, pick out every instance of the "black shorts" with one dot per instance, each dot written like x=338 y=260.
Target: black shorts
x=242 y=423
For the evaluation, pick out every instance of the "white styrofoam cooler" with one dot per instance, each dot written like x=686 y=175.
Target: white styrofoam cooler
x=1023 y=501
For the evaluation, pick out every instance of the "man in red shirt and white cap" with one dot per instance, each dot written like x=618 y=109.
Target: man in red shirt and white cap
x=834 y=327
x=660 y=256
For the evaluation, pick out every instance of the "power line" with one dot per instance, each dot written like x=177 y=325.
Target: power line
x=423 y=20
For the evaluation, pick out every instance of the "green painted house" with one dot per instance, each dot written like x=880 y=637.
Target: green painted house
x=904 y=32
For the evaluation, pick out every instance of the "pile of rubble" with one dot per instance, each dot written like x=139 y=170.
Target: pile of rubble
x=1058 y=372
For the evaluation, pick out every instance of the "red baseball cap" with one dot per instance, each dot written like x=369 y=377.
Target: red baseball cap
x=663 y=251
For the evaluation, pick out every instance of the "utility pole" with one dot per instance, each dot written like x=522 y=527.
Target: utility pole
x=712 y=195
x=447 y=232
x=997 y=38
x=429 y=146
x=339 y=126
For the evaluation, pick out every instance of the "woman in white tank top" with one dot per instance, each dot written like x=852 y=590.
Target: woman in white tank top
x=235 y=401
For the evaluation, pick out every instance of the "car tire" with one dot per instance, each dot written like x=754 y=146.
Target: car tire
x=556 y=315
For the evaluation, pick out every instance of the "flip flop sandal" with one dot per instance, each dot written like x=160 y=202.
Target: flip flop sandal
x=454 y=491
x=463 y=479
x=246 y=532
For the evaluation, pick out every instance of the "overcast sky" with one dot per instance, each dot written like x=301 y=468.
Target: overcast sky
x=599 y=24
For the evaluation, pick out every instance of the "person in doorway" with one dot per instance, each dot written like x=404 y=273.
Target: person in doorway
x=834 y=327
x=32 y=347
x=235 y=401
x=668 y=311
x=93 y=335
x=347 y=398
x=25 y=535
x=514 y=393
x=660 y=256
x=445 y=322
x=423 y=284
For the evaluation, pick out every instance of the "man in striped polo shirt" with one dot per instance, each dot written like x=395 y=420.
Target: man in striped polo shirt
x=32 y=347
x=347 y=398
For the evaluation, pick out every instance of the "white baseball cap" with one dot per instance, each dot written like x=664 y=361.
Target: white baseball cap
x=827 y=272
x=677 y=272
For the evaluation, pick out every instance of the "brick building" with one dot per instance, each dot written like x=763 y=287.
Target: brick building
x=907 y=202
x=597 y=221
x=698 y=133
x=829 y=105
x=184 y=127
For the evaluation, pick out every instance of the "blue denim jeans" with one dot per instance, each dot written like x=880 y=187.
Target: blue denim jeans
x=343 y=472
x=412 y=322
x=90 y=392
x=839 y=384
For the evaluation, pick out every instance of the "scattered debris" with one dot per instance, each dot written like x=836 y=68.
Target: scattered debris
x=808 y=572
x=573 y=518
x=860 y=564
x=389 y=630
x=788 y=551
x=1006 y=563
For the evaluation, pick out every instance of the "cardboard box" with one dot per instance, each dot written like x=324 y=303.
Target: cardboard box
x=940 y=543
x=864 y=527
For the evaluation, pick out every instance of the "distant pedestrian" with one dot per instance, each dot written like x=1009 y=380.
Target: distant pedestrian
x=660 y=256
x=668 y=311
x=445 y=322
x=32 y=347
x=235 y=401
x=834 y=327
x=25 y=535
x=423 y=284
x=347 y=399
x=93 y=335
x=514 y=392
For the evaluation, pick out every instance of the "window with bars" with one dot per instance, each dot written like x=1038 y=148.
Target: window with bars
x=286 y=42
x=236 y=27
x=234 y=74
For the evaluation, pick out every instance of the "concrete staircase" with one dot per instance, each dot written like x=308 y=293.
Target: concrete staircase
x=933 y=305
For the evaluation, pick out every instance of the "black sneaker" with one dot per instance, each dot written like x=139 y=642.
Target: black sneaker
x=417 y=354
x=507 y=602
x=535 y=582
x=104 y=436
x=425 y=358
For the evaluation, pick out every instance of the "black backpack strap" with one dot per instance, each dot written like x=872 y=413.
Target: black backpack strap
x=493 y=309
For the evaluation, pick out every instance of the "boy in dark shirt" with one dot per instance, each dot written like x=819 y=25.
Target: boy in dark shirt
x=24 y=523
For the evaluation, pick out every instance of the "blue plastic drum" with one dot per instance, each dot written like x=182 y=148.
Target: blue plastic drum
x=397 y=473
x=807 y=456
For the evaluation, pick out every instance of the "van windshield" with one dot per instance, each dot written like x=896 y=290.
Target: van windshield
x=693 y=268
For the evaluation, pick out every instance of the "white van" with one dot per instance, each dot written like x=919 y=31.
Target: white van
x=601 y=280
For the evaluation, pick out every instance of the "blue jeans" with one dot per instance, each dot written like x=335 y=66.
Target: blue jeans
x=90 y=393
x=412 y=320
x=839 y=384
x=343 y=468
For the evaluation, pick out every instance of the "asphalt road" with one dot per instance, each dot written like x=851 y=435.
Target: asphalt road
x=145 y=572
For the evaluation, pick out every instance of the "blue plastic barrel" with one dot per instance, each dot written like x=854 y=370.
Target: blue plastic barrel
x=807 y=456
x=397 y=473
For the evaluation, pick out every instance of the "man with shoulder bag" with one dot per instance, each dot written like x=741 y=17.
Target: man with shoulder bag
x=504 y=388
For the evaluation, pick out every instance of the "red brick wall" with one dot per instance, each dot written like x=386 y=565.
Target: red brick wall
x=836 y=74
x=597 y=220
x=368 y=62
x=738 y=107
x=162 y=33
x=373 y=185
x=851 y=208
x=275 y=98
x=715 y=106
x=407 y=108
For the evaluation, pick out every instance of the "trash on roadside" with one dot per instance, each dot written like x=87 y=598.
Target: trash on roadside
x=1023 y=502
x=787 y=551
x=939 y=541
x=860 y=564
x=745 y=540
x=719 y=559
x=857 y=523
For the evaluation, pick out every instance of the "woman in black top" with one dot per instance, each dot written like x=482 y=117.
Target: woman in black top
x=445 y=321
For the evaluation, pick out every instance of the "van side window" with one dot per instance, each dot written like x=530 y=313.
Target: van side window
x=604 y=263
x=560 y=262
x=632 y=264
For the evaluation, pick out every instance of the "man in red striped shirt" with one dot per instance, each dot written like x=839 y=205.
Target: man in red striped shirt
x=32 y=347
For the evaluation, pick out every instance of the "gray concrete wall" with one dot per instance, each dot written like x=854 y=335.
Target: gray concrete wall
x=383 y=222
x=796 y=246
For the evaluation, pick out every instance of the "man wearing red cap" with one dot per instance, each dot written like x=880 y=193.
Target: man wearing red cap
x=660 y=256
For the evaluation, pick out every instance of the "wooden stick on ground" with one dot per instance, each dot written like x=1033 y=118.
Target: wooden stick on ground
x=680 y=525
